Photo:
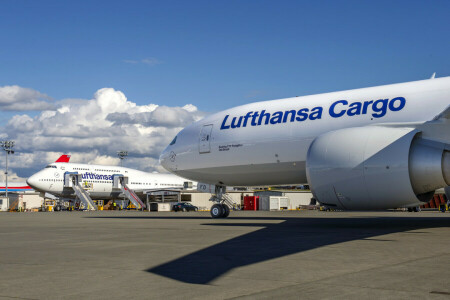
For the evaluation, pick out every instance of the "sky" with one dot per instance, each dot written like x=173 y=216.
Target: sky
x=90 y=78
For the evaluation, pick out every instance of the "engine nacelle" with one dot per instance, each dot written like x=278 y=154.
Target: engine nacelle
x=375 y=168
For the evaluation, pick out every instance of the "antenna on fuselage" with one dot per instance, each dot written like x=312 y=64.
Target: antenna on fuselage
x=433 y=76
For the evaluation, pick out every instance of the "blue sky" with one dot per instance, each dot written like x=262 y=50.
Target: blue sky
x=218 y=54
x=211 y=54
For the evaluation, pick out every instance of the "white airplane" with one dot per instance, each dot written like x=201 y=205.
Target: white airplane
x=23 y=187
x=98 y=180
x=364 y=149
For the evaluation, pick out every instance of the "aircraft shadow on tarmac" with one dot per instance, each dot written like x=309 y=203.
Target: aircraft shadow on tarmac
x=291 y=236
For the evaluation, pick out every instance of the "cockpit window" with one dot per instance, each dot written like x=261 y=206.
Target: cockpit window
x=174 y=141
x=50 y=166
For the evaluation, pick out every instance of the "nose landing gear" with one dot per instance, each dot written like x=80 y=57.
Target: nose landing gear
x=222 y=207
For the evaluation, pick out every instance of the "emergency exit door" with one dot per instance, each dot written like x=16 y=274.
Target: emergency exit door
x=204 y=141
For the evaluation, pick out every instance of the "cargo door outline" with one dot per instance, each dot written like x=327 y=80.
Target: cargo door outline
x=204 y=140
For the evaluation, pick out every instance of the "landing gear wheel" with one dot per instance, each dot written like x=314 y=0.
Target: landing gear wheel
x=217 y=211
x=226 y=211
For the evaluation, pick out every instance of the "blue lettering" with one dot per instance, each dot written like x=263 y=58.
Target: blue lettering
x=286 y=114
x=265 y=115
x=233 y=123
x=354 y=109
x=276 y=117
x=302 y=114
x=380 y=111
x=316 y=113
x=255 y=115
x=400 y=106
x=246 y=118
x=366 y=104
x=223 y=123
x=340 y=114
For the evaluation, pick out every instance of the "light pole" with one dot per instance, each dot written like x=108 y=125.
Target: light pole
x=122 y=155
x=8 y=147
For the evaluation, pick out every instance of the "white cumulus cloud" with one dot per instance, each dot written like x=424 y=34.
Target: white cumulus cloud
x=16 y=98
x=161 y=116
x=93 y=130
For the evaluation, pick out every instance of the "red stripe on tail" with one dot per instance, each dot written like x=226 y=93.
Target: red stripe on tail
x=63 y=159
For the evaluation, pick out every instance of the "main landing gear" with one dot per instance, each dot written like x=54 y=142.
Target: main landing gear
x=221 y=209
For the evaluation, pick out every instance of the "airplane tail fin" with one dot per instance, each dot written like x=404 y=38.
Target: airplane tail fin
x=63 y=159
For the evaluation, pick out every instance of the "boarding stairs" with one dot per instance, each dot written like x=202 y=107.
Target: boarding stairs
x=131 y=195
x=74 y=180
x=83 y=195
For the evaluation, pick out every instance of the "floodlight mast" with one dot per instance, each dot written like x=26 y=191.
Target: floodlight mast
x=8 y=147
x=122 y=155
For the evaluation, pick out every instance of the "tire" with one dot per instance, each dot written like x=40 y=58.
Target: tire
x=195 y=209
x=217 y=211
x=184 y=209
x=226 y=211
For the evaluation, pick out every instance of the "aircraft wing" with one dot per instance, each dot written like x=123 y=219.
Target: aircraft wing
x=443 y=115
x=438 y=129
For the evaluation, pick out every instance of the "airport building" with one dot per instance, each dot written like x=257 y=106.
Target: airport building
x=23 y=201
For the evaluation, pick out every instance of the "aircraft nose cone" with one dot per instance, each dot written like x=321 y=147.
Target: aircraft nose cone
x=32 y=181
x=163 y=159
x=167 y=159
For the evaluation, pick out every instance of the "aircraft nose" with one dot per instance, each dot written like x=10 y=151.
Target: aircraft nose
x=33 y=181
x=164 y=159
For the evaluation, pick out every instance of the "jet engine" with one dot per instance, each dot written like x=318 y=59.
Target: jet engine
x=376 y=168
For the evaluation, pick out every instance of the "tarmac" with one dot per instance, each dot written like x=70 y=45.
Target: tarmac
x=250 y=255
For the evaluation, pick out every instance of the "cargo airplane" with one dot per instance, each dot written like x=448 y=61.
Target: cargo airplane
x=97 y=180
x=364 y=149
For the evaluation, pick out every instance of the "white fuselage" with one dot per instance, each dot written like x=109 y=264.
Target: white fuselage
x=97 y=180
x=239 y=147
